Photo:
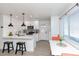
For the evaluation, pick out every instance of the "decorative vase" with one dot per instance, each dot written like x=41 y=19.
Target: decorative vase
x=10 y=34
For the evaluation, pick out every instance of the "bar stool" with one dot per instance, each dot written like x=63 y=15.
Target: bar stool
x=20 y=46
x=9 y=46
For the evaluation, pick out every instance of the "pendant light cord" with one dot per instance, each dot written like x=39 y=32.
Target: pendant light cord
x=10 y=18
x=23 y=17
x=10 y=25
x=23 y=20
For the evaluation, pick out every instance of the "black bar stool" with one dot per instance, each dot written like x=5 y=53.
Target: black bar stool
x=20 y=46
x=9 y=46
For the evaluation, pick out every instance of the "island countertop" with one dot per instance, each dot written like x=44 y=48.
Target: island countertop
x=18 y=37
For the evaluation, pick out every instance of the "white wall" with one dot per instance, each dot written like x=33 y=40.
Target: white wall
x=1 y=31
x=1 y=24
x=54 y=25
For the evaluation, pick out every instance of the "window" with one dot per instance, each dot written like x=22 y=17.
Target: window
x=71 y=25
x=74 y=25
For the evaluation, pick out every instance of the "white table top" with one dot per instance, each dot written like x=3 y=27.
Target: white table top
x=57 y=50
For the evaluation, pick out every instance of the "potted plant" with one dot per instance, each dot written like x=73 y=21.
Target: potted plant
x=60 y=41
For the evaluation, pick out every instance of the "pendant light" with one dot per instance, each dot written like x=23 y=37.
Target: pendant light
x=23 y=24
x=10 y=25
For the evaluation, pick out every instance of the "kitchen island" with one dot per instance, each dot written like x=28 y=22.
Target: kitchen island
x=28 y=39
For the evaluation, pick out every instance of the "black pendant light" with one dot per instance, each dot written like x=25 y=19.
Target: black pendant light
x=10 y=25
x=23 y=24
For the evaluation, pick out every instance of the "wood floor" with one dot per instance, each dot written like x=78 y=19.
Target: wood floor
x=42 y=49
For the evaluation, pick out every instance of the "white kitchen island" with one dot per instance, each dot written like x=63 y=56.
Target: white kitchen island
x=28 y=39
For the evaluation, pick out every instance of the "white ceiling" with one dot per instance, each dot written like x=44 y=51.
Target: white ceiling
x=37 y=10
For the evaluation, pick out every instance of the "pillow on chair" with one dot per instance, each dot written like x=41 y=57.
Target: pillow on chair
x=57 y=37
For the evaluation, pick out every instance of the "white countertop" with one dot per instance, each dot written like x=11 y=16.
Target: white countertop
x=18 y=37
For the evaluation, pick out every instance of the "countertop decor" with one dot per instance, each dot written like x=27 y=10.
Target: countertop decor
x=10 y=34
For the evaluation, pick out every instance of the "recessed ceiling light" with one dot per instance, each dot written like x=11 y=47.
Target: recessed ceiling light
x=31 y=16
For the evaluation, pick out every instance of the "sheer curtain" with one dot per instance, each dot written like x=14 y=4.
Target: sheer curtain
x=74 y=24
x=65 y=24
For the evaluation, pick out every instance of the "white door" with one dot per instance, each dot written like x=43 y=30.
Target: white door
x=44 y=33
